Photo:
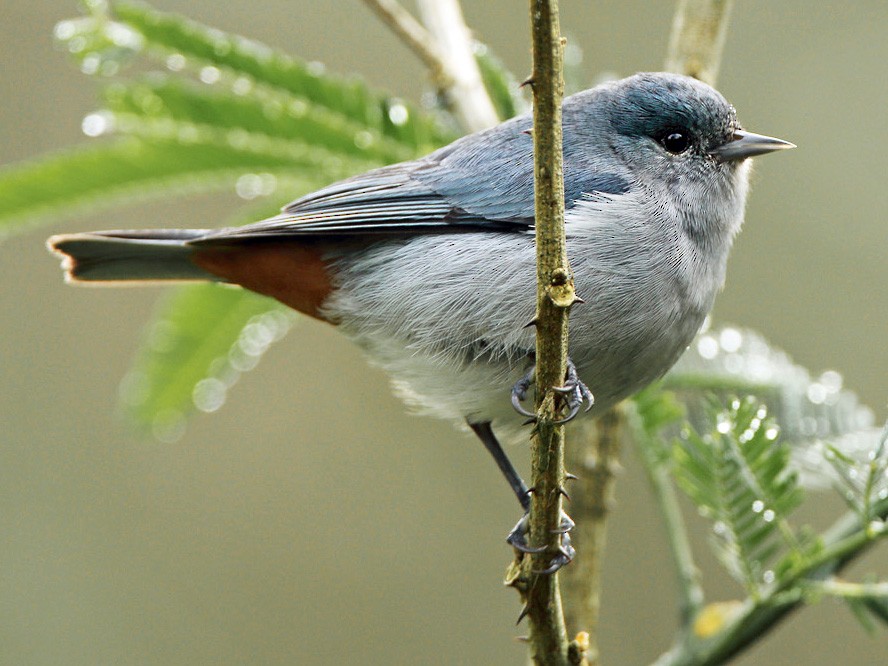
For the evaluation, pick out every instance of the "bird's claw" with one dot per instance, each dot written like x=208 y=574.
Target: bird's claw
x=518 y=540
x=565 y=555
x=519 y=393
x=567 y=524
x=575 y=392
x=518 y=537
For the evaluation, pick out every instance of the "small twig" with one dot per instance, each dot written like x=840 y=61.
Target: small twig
x=413 y=34
x=844 y=542
x=698 y=37
x=686 y=570
x=690 y=589
x=592 y=452
x=444 y=45
x=846 y=590
x=466 y=93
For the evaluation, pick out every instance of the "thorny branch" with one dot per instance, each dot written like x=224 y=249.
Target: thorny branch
x=555 y=294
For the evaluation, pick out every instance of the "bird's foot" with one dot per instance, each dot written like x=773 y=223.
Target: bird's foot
x=565 y=553
x=575 y=393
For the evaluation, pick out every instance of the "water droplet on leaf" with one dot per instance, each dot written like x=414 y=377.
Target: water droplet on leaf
x=175 y=62
x=209 y=394
x=210 y=74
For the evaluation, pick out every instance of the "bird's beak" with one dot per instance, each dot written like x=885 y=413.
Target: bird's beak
x=746 y=144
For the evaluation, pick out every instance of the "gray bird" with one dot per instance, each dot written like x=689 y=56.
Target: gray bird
x=429 y=265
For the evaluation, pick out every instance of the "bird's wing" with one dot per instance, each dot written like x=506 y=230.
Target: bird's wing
x=384 y=201
x=481 y=182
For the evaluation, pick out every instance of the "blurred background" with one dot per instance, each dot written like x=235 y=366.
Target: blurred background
x=312 y=521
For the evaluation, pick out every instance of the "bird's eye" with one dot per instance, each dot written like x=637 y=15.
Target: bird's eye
x=676 y=142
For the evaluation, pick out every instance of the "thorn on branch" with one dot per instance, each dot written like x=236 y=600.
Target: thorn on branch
x=523 y=614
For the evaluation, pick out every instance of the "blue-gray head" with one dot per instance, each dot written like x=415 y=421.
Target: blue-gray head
x=680 y=139
x=664 y=120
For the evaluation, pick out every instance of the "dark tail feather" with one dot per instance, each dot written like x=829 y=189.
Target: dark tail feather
x=129 y=256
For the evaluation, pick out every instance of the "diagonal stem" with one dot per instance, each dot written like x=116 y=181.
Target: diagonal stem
x=466 y=93
x=444 y=45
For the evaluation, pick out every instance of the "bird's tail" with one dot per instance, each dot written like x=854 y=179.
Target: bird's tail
x=129 y=256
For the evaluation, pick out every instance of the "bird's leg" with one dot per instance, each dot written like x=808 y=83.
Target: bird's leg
x=575 y=393
x=518 y=536
x=485 y=434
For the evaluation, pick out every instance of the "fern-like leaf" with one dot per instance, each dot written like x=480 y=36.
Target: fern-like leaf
x=816 y=413
x=202 y=339
x=657 y=412
x=102 y=175
x=281 y=116
x=168 y=34
x=877 y=607
x=738 y=476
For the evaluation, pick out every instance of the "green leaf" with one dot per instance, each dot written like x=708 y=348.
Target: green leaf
x=275 y=115
x=501 y=85
x=104 y=174
x=738 y=476
x=815 y=413
x=204 y=337
x=201 y=339
x=862 y=483
x=171 y=34
x=867 y=600
x=658 y=409
x=861 y=613
x=302 y=157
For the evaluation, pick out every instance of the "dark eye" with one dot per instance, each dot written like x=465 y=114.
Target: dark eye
x=676 y=142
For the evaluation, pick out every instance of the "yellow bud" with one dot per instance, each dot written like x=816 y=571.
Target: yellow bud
x=714 y=617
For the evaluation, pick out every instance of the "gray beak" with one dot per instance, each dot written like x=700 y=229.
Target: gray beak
x=746 y=144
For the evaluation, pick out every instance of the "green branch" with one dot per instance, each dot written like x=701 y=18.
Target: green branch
x=653 y=409
x=845 y=541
